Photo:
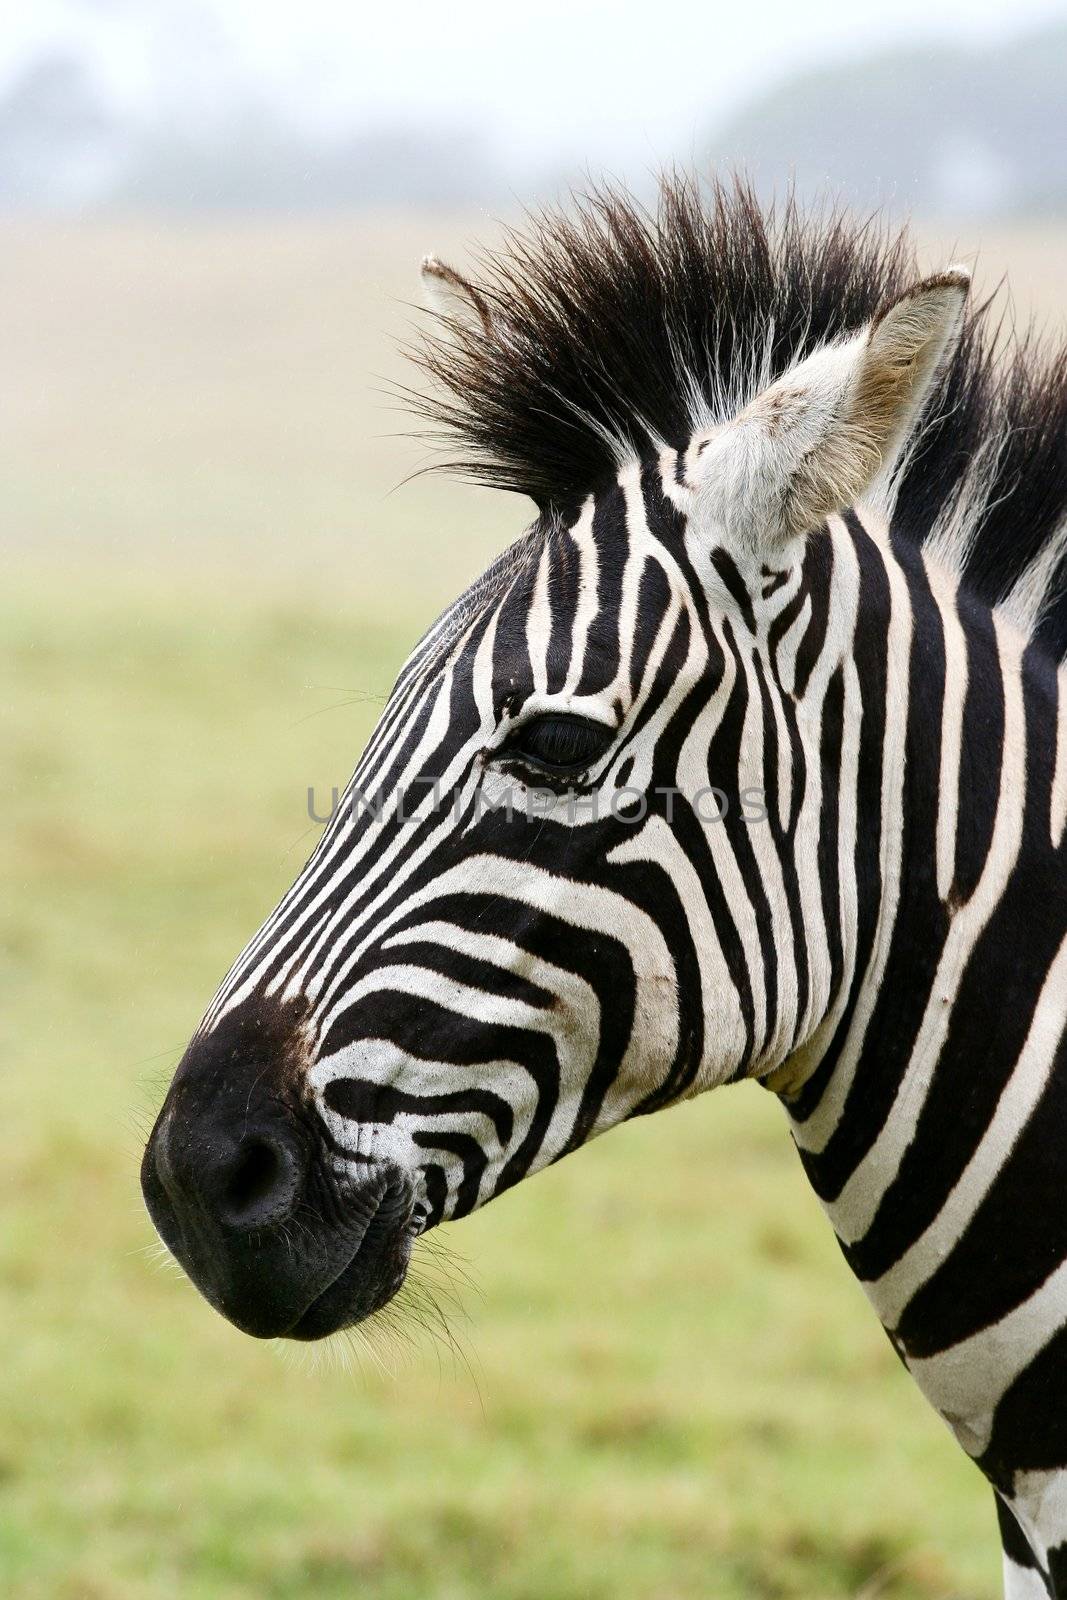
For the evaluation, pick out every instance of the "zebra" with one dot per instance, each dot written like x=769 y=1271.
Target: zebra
x=800 y=542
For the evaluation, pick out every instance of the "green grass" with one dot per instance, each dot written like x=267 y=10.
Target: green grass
x=667 y=1386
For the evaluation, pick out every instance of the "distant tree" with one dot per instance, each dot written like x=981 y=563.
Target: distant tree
x=253 y=159
x=946 y=129
x=57 y=140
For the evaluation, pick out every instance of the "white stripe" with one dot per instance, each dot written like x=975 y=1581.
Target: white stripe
x=815 y=1133
x=724 y=1030
x=955 y=696
x=1023 y=1583
x=891 y=1293
x=1058 y=803
x=582 y=535
x=854 y=1210
x=539 y=625
x=967 y=1381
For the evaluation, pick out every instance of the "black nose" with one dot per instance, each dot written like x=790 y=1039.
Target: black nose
x=224 y=1191
x=229 y=1168
x=240 y=1178
x=257 y=1182
x=244 y=1187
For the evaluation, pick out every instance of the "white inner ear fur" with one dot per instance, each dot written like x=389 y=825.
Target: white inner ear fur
x=816 y=439
x=453 y=296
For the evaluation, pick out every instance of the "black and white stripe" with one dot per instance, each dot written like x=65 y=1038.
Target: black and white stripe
x=881 y=939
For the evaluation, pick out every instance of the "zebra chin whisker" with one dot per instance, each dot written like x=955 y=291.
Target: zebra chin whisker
x=426 y=1311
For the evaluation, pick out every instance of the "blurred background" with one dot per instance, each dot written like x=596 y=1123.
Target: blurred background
x=648 y=1373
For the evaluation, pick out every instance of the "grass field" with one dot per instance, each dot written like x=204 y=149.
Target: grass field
x=660 y=1381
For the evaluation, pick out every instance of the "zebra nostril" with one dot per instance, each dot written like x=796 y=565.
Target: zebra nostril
x=258 y=1183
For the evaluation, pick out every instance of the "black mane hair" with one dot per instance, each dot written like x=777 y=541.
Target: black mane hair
x=610 y=325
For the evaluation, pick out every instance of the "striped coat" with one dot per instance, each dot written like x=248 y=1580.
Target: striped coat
x=749 y=760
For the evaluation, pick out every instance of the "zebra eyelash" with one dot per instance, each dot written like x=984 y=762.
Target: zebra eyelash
x=556 y=744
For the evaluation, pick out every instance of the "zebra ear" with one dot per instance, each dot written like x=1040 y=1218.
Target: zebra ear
x=453 y=297
x=815 y=441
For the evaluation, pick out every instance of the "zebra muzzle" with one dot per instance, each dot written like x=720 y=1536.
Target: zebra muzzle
x=241 y=1184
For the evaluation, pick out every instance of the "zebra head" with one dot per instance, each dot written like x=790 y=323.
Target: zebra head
x=575 y=875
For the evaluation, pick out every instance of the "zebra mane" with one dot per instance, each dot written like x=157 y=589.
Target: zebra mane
x=614 y=330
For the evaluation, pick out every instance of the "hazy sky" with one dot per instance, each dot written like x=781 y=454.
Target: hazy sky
x=629 y=83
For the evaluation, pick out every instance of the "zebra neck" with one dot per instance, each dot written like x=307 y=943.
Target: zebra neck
x=921 y=1125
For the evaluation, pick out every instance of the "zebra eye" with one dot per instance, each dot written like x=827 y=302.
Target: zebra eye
x=559 y=744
